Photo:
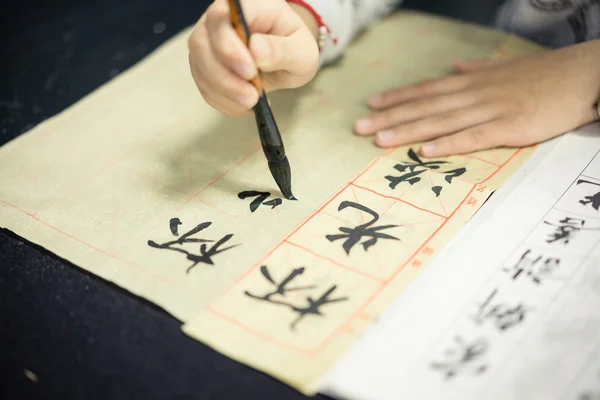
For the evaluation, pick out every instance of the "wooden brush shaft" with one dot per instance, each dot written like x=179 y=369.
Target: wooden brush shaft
x=242 y=30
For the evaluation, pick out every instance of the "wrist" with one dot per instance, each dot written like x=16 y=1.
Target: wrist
x=308 y=18
x=312 y=18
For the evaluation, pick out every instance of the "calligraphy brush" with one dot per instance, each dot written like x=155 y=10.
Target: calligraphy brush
x=270 y=138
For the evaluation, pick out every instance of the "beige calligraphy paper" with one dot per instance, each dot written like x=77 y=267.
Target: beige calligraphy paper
x=142 y=184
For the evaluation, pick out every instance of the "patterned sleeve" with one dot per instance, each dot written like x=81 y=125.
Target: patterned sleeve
x=344 y=19
x=552 y=23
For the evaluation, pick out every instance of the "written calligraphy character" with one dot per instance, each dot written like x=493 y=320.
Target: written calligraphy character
x=414 y=169
x=502 y=315
x=204 y=255
x=278 y=296
x=463 y=358
x=565 y=230
x=535 y=267
x=592 y=200
x=261 y=199
x=354 y=235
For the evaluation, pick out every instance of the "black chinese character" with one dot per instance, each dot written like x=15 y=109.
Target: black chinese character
x=417 y=167
x=261 y=198
x=502 y=315
x=354 y=235
x=463 y=358
x=594 y=199
x=205 y=254
x=565 y=229
x=278 y=296
x=534 y=267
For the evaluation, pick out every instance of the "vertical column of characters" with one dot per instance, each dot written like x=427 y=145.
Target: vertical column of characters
x=565 y=236
x=476 y=344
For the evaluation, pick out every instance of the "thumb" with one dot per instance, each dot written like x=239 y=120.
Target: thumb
x=297 y=53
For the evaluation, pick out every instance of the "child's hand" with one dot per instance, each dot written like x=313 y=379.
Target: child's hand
x=489 y=104
x=282 y=46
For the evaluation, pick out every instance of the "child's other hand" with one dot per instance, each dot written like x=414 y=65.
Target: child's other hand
x=489 y=104
x=282 y=46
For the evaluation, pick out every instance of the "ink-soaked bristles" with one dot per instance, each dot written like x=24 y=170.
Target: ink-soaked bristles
x=283 y=177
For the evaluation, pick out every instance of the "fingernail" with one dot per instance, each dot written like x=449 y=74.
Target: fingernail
x=244 y=71
x=262 y=49
x=246 y=101
x=363 y=124
x=428 y=149
x=385 y=137
x=375 y=100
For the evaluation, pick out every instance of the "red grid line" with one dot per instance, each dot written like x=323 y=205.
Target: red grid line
x=342 y=220
x=400 y=200
x=496 y=156
x=373 y=277
x=195 y=195
x=379 y=264
x=481 y=159
x=396 y=200
x=239 y=219
x=509 y=159
x=362 y=216
x=117 y=160
x=244 y=328
x=439 y=198
x=432 y=235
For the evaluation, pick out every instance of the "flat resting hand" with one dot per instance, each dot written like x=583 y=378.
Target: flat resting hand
x=489 y=104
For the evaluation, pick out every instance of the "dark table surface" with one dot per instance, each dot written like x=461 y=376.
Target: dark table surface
x=79 y=336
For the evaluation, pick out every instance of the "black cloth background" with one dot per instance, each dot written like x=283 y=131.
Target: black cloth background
x=82 y=337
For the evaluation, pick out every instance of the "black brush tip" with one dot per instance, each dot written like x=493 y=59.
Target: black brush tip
x=282 y=174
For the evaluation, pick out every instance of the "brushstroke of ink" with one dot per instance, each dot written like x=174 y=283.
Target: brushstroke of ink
x=174 y=226
x=261 y=199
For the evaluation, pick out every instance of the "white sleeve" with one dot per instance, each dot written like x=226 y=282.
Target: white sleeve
x=345 y=19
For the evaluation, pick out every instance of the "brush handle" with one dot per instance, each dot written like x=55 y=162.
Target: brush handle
x=241 y=28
